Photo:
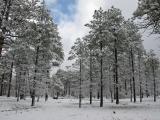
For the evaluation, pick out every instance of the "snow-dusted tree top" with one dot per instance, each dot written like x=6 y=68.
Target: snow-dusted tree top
x=149 y=12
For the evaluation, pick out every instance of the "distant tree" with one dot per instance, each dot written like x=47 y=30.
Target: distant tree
x=57 y=86
x=154 y=64
x=134 y=44
x=77 y=52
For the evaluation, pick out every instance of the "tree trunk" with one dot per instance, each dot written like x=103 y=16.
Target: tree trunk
x=140 y=91
x=69 y=88
x=146 y=84
x=111 y=84
x=140 y=81
x=1 y=44
x=34 y=81
x=133 y=78
x=18 y=92
x=46 y=96
x=65 y=89
x=80 y=84
x=147 y=92
x=5 y=89
x=80 y=78
x=111 y=92
x=125 y=86
x=101 y=79
x=16 y=87
x=10 y=80
x=130 y=80
x=98 y=96
x=2 y=84
x=116 y=71
x=114 y=81
x=131 y=92
x=90 y=78
x=19 y=86
x=154 y=81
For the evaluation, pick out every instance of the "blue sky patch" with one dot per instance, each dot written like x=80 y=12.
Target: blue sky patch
x=63 y=8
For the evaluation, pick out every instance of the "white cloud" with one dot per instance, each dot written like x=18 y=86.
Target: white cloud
x=70 y=29
x=127 y=6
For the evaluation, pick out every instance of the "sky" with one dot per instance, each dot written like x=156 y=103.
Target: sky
x=72 y=15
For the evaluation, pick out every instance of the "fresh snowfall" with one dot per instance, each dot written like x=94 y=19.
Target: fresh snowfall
x=79 y=60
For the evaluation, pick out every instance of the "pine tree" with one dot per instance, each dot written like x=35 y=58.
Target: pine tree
x=77 y=53
x=149 y=12
x=154 y=64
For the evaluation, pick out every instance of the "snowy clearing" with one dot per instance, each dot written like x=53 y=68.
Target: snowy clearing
x=67 y=109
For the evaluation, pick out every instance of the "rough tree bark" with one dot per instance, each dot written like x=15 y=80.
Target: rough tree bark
x=154 y=80
x=146 y=82
x=133 y=78
x=34 y=81
x=90 y=78
x=101 y=78
x=125 y=86
x=10 y=80
x=130 y=79
x=116 y=70
x=19 y=86
x=140 y=81
x=80 y=85
x=110 y=86
x=2 y=84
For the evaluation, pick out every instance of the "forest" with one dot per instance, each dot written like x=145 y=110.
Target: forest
x=110 y=64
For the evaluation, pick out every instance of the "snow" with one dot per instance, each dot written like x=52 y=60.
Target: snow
x=67 y=109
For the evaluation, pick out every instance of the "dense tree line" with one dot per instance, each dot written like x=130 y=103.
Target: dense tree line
x=110 y=61
x=29 y=46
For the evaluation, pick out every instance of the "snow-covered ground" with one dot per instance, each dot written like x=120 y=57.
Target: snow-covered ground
x=67 y=109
